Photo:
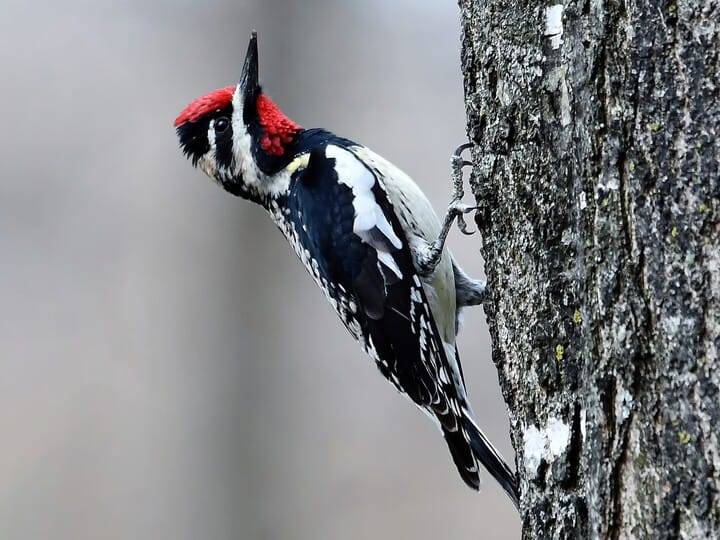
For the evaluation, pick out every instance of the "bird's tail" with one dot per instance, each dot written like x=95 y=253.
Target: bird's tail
x=463 y=456
x=491 y=459
x=470 y=445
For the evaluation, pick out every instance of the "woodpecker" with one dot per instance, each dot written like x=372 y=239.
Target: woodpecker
x=370 y=240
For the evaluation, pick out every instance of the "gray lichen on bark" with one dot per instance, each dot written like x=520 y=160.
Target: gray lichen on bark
x=596 y=155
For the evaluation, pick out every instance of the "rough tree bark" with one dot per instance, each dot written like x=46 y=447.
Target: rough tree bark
x=596 y=155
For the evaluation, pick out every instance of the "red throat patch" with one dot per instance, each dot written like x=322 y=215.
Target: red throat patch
x=278 y=129
x=217 y=99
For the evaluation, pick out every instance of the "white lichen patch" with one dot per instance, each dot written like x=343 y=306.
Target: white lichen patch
x=553 y=25
x=544 y=444
x=610 y=182
x=558 y=436
x=623 y=404
x=583 y=200
x=533 y=450
x=565 y=116
x=568 y=237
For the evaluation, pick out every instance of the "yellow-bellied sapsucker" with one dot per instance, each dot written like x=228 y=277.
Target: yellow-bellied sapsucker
x=369 y=238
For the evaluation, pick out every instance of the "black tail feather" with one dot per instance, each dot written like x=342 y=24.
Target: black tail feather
x=463 y=457
x=493 y=461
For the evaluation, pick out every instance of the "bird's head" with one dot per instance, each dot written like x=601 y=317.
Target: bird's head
x=238 y=136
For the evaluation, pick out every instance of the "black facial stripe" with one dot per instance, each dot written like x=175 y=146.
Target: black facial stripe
x=194 y=137
x=224 y=147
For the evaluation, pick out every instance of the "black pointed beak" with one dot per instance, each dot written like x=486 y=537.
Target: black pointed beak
x=249 y=84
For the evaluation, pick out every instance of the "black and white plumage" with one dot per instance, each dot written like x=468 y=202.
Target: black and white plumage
x=369 y=238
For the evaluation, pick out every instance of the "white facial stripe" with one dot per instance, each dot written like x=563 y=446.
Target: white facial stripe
x=253 y=177
x=207 y=162
x=211 y=135
x=241 y=138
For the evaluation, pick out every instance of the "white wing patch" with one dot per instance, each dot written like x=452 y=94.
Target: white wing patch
x=369 y=216
x=387 y=259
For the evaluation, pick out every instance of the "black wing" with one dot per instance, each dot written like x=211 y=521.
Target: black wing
x=359 y=255
x=349 y=226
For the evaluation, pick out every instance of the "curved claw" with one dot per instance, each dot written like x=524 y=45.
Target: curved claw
x=457 y=160
x=457 y=209
x=462 y=224
x=464 y=227
x=460 y=210
x=460 y=149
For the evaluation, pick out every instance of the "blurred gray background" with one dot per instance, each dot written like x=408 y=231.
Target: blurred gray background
x=167 y=368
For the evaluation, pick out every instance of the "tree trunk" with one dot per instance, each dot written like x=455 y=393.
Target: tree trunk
x=596 y=172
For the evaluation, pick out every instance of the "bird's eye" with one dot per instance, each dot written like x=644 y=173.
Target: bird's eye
x=221 y=125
